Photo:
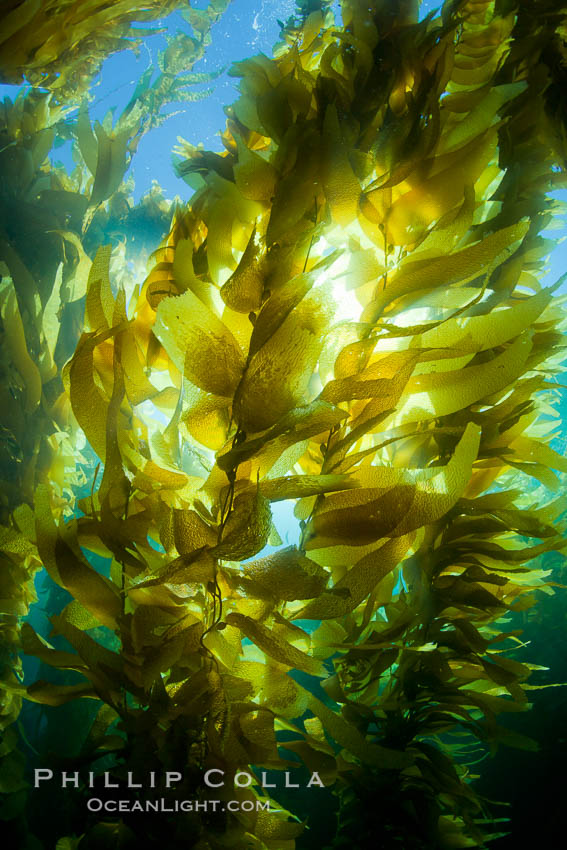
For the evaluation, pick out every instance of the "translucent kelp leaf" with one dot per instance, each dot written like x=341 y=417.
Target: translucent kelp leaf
x=255 y=176
x=485 y=105
x=247 y=529
x=200 y=345
x=184 y=276
x=34 y=644
x=276 y=832
x=243 y=290
x=277 y=308
x=136 y=383
x=49 y=694
x=197 y=568
x=295 y=426
x=314 y=759
x=348 y=736
x=461 y=266
x=274 y=111
x=103 y=665
x=523 y=521
x=513 y=554
x=258 y=727
x=99 y=306
x=274 y=645
x=384 y=380
x=150 y=624
x=14 y=341
x=158 y=659
x=111 y=161
x=353 y=358
x=115 y=485
x=226 y=208
x=286 y=574
x=477 y=333
x=538 y=471
x=278 y=690
x=296 y=193
x=87 y=400
x=208 y=422
x=71 y=571
x=279 y=373
x=388 y=390
x=51 y=324
x=534 y=451
x=446 y=392
x=433 y=197
x=149 y=474
x=342 y=188
x=220 y=256
x=436 y=495
x=396 y=501
x=78 y=616
x=311 y=27
x=87 y=140
x=13 y=542
x=191 y=532
x=445 y=237
x=74 y=286
x=357 y=583
x=300 y=486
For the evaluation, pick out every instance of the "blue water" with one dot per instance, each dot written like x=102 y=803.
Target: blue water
x=246 y=28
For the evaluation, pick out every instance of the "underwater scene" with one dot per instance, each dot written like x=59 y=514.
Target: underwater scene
x=283 y=424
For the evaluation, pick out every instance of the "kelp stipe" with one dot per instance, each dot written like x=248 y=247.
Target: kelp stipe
x=348 y=315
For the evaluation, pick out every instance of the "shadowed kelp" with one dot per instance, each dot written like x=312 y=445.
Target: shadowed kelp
x=51 y=223
x=348 y=314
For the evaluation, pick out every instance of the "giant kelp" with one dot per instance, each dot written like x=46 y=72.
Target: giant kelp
x=50 y=227
x=348 y=314
x=61 y=44
x=48 y=220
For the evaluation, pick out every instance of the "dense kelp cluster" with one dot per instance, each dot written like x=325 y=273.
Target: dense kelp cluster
x=45 y=245
x=348 y=314
x=51 y=223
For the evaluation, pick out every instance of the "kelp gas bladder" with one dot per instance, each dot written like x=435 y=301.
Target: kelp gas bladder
x=348 y=314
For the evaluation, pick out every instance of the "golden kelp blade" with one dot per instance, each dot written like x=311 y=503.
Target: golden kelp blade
x=192 y=335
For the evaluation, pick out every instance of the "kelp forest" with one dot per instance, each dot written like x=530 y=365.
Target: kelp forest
x=349 y=313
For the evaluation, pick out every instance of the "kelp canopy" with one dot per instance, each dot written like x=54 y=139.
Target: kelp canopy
x=60 y=44
x=348 y=314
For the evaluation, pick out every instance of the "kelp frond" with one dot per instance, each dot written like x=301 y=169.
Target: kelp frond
x=59 y=45
x=349 y=314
